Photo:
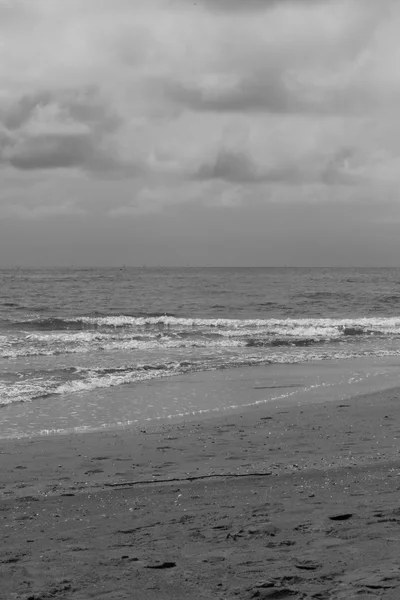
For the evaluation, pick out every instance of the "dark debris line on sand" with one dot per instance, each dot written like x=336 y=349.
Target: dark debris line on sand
x=183 y=479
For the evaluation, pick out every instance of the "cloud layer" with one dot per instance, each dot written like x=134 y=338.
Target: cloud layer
x=130 y=108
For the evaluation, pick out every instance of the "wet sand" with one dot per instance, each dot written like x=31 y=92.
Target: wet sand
x=281 y=501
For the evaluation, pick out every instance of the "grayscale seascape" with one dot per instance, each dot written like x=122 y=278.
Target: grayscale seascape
x=199 y=300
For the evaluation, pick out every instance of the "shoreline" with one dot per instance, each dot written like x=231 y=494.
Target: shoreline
x=278 y=499
x=115 y=440
x=197 y=395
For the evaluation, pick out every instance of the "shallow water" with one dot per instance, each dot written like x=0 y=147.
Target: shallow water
x=96 y=347
x=200 y=395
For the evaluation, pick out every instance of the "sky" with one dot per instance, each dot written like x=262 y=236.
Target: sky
x=206 y=132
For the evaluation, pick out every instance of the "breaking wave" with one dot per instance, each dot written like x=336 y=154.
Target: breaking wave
x=75 y=335
x=319 y=326
x=159 y=345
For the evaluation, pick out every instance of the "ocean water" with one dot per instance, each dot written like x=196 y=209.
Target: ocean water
x=87 y=348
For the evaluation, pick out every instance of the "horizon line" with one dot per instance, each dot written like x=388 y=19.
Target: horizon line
x=144 y=267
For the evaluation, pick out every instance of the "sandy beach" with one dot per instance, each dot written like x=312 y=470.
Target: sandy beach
x=280 y=501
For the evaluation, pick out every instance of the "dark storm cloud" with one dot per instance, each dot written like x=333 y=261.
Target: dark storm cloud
x=263 y=92
x=250 y=95
x=81 y=105
x=73 y=126
x=21 y=110
x=231 y=166
x=5 y=141
x=238 y=167
x=54 y=152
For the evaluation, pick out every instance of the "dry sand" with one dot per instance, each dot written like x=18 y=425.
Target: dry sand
x=278 y=502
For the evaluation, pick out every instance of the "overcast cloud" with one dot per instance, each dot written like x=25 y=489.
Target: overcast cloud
x=130 y=129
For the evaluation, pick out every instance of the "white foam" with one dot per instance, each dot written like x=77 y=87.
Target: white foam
x=301 y=327
x=29 y=390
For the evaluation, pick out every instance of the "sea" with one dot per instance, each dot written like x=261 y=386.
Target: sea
x=83 y=349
